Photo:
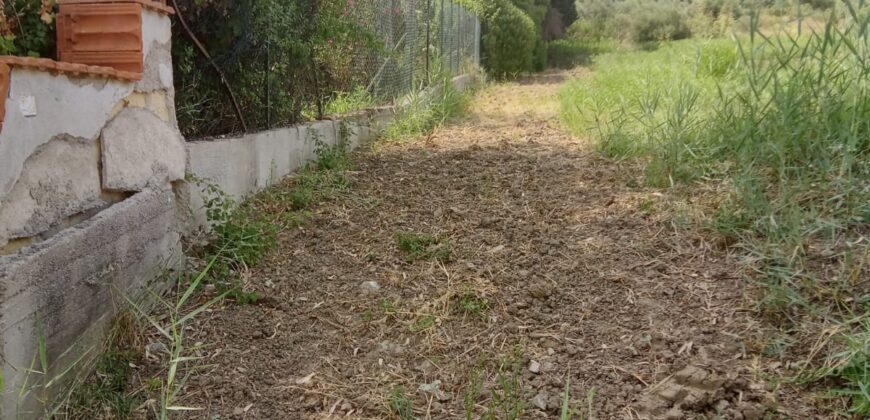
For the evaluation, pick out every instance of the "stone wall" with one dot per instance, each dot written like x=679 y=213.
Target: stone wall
x=88 y=158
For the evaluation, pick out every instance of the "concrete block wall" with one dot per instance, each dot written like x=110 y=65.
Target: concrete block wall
x=87 y=206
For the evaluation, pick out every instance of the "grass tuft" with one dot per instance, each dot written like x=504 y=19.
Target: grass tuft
x=420 y=246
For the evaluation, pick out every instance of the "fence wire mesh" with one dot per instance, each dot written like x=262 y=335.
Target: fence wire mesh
x=278 y=62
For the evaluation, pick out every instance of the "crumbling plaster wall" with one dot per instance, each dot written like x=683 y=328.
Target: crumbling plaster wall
x=88 y=209
x=55 y=139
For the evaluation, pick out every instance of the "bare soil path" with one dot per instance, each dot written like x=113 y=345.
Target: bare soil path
x=562 y=268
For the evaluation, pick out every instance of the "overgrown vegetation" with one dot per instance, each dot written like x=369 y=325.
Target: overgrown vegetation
x=426 y=110
x=782 y=123
x=280 y=60
x=27 y=28
x=508 y=43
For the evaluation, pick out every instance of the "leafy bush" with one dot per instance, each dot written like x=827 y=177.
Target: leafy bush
x=299 y=50
x=568 y=53
x=537 y=11
x=631 y=20
x=509 y=36
x=27 y=28
x=509 y=41
x=659 y=21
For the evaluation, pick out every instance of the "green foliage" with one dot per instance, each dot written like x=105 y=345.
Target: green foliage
x=420 y=246
x=240 y=239
x=509 y=37
x=343 y=103
x=400 y=404
x=569 y=53
x=105 y=392
x=631 y=20
x=424 y=113
x=27 y=28
x=472 y=304
x=537 y=11
x=309 y=47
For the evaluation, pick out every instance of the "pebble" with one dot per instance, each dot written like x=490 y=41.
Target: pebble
x=534 y=366
x=370 y=286
x=540 y=401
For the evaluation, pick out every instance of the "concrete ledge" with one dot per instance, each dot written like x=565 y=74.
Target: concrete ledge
x=63 y=291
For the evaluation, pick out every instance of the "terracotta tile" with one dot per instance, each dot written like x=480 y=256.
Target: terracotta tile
x=4 y=91
x=160 y=6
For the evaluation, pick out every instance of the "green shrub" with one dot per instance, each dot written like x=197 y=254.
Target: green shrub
x=509 y=37
x=27 y=28
x=309 y=47
x=654 y=22
x=568 y=53
x=632 y=20
x=509 y=41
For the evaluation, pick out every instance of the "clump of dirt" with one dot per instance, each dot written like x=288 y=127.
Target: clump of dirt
x=561 y=267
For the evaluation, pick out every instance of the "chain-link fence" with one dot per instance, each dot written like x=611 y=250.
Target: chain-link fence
x=272 y=63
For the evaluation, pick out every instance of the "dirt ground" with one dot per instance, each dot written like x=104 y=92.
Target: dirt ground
x=563 y=267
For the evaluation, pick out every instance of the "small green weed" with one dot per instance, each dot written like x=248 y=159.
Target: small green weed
x=400 y=405
x=241 y=238
x=296 y=218
x=568 y=413
x=105 y=391
x=507 y=399
x=423 y=323
x=388 y=307
x=506 y=396
x=420 y=246
x=472 y=304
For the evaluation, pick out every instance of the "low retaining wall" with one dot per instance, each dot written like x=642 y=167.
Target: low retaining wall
x=244 y=165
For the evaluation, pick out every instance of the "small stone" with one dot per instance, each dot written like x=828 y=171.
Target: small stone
x=674 y=414
x=751 y=412
x=370 y=286
x=346 y=406
x=534 y=366
x=540 y=401
x=270 y=284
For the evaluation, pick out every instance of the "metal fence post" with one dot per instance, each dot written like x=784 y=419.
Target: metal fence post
x=428 y=37
x=441 y=33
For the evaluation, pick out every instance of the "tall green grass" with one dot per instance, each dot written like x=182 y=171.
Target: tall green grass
x=784 y=122
x=427 y=109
